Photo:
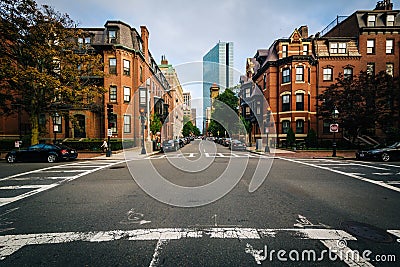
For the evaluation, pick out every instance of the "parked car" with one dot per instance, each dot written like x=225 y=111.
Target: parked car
x=42 y=152
x=168 y=145
x=237 y=145
x=226 y=142
x=385 y=154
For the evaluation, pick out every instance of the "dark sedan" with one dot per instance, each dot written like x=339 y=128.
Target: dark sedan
x=237 y=145
x=42 y=152
x=169 y=145
x=385 y=154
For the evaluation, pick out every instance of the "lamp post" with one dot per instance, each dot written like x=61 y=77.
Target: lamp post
x=334 y=128
x=56 y=118
x=267 y=125
x=142 y=119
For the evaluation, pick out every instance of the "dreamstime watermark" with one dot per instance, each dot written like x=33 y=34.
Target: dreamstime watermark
x=153 y=180
x=338 y=252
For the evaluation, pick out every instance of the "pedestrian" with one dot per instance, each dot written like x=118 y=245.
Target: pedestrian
x=104 y=146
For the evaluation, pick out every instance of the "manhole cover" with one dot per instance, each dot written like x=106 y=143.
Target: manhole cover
x=116 y=167
x=367 y=231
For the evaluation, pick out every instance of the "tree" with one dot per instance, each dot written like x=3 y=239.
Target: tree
x=311 y=139
x=221 y=117
x=155 y=124
x=290 y=137
x=365 y=102
x=40 y=69
x=190 y=129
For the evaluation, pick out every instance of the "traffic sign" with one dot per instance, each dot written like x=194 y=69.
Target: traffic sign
x=334 y=128
x=109 y=132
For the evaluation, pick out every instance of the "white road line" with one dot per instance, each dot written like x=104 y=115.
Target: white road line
x=380 y=183
x=390 y=165
x=383 y=173
x=12 y=243
x=393 y=182
x=15 y=187
x=394 y=232
x=41 y=188
x=156 y=256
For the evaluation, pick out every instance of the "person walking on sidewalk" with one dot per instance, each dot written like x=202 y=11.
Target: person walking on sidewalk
x=104 y=146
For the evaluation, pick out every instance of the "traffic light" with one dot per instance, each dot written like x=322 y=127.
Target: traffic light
x=110 y=110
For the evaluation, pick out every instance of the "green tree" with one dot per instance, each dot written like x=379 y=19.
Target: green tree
x=221 y=119
x=364 y=102
x=155 y=124
x=40 y=70
x=311 y=139
x=290 y=137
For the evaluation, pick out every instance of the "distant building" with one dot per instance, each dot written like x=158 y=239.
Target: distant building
x=187 y=104
x=218 y=69
x=193 y=116
x=177 y=100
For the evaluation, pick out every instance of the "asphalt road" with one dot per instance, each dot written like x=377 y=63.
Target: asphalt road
x=198 y=207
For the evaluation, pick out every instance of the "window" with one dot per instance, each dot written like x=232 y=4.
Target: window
x=348 y=73
x=112 y=123
x=248 y=92
x=112 y=67
x=309 y=75
x=305 y=50
x=286 y=103
x=371 y=46
x=342 y=48
x=326 y=127
x=300 y=74
x=285 y=126
x=127 y=67
x=309 y=102
x=371 y=21
x=88 y=40
x=142 y=98
x=284 y=51
x=112 y=36
x=247 y=111
x=371 y=68
x=141 y=74
x=389 y=46
x=299 y=102
x=334 y=48
x=390 y=20
x=300 y=126
x=127 y=123
x=57 y=66
x=389 y=69
x=80 y=42
x=113 y=94
x=328 y=74
x=127 y=94
x=286 y=75
x=258 y=108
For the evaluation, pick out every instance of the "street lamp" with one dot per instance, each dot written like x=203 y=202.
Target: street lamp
x=267 y=125
x=56 y=125
x=334 y=128
x=142 y=120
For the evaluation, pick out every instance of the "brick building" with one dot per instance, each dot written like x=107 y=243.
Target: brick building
x=295 y=70
x=128 y=65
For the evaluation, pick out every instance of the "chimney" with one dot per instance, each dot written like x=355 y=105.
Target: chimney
x=145 y=38
x=384 y=5
x=164 y=61
x=303 y=31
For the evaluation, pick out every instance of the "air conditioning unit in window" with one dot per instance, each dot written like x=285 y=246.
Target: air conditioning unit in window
x=113 y=41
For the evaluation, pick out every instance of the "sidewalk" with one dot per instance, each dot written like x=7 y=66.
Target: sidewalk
x=307 y=154
x=131 y=153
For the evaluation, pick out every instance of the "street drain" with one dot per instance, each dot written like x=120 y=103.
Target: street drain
x=367 y=231
x=117 y=167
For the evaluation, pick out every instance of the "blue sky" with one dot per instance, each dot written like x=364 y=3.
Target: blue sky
x=185 y=30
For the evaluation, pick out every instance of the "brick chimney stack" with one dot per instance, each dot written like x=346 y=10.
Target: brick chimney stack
x=303 y=31
x=145 y=38
x=164 y=61
x=384 y=5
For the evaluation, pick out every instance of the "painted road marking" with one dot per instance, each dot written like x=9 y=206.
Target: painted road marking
x=380 y=183
x=35 y=175
x=12 y=243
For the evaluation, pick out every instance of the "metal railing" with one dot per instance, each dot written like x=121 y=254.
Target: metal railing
x=334 y=23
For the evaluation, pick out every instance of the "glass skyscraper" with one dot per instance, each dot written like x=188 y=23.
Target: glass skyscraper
x=218 y=69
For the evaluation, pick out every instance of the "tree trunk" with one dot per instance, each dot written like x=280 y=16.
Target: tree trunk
x=35 y=129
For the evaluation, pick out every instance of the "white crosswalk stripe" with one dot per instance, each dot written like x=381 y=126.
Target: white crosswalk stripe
x=54 y=176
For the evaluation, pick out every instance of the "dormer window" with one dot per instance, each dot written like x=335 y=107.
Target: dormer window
x=371 y=21
x=112 y=36
x=390 y=20
x=338 y=48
